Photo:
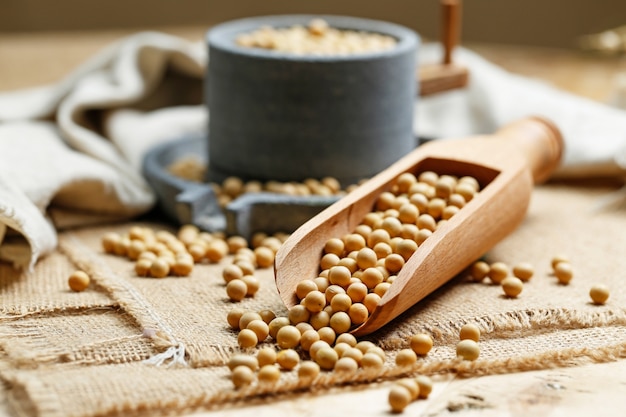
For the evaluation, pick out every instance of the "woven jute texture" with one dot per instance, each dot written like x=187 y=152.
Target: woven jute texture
x=143 y=346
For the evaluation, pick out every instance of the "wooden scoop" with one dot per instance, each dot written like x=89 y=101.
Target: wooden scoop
x=506 y=165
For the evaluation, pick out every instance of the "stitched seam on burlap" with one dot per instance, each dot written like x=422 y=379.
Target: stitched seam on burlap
x=125 y=294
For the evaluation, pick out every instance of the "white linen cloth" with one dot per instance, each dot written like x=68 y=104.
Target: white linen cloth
x=70 y=153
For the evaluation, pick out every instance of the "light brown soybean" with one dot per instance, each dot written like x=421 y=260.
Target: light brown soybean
x=447 y=213
x=357 y=291
x=354 y=242
x=358 y=313
x=365 y=345
x=340 y=322
x=304 y=287
x=272 y=242
x=468 y=350
x=326 y=357
x=246 y=267
x=329 y=260
x=260 y=328
x=408 y=213
x=288 y=337
x=346 y=366
x=321 y=283
x=599 y=294
x=479 y=270
x=316 y=346
x=308 y=371
x=332 y=291
x=378 y=351
x=235 y=243
x=276 y=324
x=267 y=315
x=304 y=326
x=428 y=177
x=233 y=317
x=422 y=235
x=341 y=302
x=247 y=339
x=372 y=362
x=523 y=271
x=216 y=250
x=557 y=259
x=425 y=384
x=78 y=281
x=347 y=338
x=242 y=376
x=240 y=359
x=298 y=314
x=159 y=268
x=394 y=262
x=377 y=236
x=406 y=248
x=498 y=271
x=421 y=343
x=327 y=334
x=268 y=375
x=308 y=338
x=252 y=284
x=182 y=267
x=266 y=356
x=247 y=317
x=411 y=385
x=264 y=256
x=319 y=319
x=405 y=357
x=371 y=277
x=382 y=249
x=315 y=301
x=512 y=286
x=349 y=263
x=371 y=301
x=339 y=275
x=188 y=233
x=136 y=248
x=366 y=258
x=392 y=224
x=418 y=198
x=469 y=331
x=382 y=288
x=435 y=207
x=564 y=272
x=109 y=241
x=334 y=245
x=231 y=272
x=399 y=397
x=288 y=359
x=236 y=289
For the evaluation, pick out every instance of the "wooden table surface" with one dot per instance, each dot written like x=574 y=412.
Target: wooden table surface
x=35 y=58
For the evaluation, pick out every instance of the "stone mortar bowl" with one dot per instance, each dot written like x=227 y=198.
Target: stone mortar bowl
x=287 y=117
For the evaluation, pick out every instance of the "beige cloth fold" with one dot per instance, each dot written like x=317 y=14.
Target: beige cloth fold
x=69 y=163
x=70 y=153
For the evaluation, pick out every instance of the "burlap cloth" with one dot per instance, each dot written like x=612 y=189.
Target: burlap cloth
x=84 y=354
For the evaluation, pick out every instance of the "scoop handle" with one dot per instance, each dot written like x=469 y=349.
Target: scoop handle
x=539 y=141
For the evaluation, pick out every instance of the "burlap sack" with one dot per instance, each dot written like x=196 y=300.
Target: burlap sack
x=139 y=346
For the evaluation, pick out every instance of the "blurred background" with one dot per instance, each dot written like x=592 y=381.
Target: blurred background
x=554 y=23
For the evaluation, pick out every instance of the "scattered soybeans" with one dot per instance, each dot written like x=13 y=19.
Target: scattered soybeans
x=242 y=376
x=407 y=390
x=523 y=271
x=78 y=281
x=469 y=331
x=399 y=398
x=512 y=286
x=497 y=272
x=599 y=294
x=563 y=272
x=467 y=350
x=421 y=343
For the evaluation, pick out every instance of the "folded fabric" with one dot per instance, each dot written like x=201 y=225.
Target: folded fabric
x=71 y=153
